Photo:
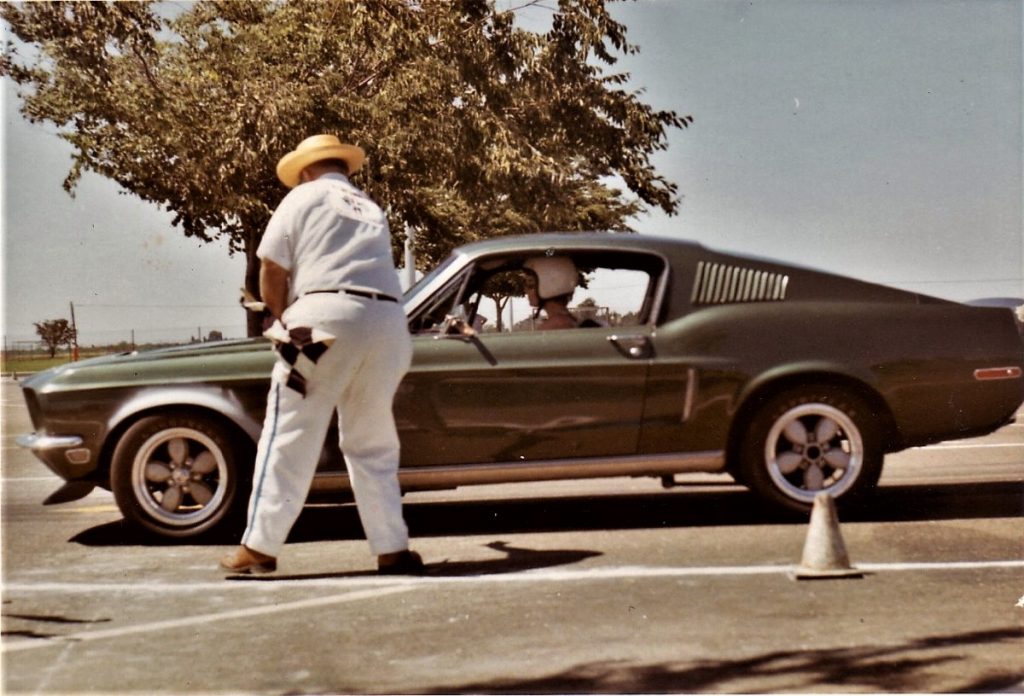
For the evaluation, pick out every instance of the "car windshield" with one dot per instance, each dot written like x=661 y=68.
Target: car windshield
x=422 y=282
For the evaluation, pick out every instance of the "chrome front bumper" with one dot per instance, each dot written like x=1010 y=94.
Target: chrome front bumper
x=39 y=443
x=49 y=447
x=77 y=459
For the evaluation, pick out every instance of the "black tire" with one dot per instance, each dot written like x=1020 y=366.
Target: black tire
x=178 y=476
x=810 y=440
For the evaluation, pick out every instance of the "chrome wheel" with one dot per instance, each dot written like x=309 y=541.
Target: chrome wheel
x=177 y=477
x=807 y=440
x=811 y=448
x=177 y=474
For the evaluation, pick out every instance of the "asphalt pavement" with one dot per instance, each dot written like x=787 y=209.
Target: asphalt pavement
x=613 y=586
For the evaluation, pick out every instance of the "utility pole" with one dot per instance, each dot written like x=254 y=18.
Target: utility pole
x=74 y=335
x=410 y=257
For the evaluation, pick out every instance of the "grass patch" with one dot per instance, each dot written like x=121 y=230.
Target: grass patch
x=32 y=364
x=38 y=363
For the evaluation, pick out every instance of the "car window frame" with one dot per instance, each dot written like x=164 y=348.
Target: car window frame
x=459 y=278
x=461 y=274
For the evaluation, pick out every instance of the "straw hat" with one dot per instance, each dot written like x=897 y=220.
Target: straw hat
x=315 y=149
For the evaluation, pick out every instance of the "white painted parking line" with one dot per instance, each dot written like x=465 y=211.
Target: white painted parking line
x=949 y=447
x=30 y=479
x=382 y=587
x=635 y=572
x=271 y=583
x=171 y=624
x=264 y=582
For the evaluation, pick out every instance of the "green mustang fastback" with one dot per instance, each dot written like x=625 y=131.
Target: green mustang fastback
x=792 y=380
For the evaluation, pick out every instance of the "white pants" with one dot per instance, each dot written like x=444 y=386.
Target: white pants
x=358 y=375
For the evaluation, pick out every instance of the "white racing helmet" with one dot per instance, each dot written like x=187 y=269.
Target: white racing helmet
x=556 y=275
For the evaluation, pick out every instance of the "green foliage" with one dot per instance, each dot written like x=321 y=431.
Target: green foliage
x=55 y=333
x=474 y=127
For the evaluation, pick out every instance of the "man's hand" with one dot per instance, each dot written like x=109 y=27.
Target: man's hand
x=274 y=286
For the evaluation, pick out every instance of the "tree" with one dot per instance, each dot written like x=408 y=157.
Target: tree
x=55 y=333
x=500 y=289
x=474 y=127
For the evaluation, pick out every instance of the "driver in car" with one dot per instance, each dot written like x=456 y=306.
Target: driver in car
x=550 y=284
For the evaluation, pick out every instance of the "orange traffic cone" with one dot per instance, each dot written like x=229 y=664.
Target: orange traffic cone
x=824 y=551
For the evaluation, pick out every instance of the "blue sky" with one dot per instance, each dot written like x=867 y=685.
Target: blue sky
x=876 y=139
x=881 y=140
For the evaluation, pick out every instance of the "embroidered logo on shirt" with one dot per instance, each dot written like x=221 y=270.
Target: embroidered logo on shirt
x=355 y=207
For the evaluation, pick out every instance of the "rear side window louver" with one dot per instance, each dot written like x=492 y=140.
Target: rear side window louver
x=718 y=283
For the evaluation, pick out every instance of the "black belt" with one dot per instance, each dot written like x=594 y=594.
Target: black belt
x=358 y=293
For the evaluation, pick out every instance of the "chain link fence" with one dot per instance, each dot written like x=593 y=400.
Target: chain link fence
x=22 y=354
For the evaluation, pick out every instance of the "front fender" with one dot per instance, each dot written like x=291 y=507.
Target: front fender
x=218 y=399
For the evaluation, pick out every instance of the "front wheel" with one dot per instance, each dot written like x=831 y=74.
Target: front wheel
x=811 y=440
x=177 y=475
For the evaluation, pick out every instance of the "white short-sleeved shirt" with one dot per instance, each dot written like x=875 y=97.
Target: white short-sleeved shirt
x=331 y=236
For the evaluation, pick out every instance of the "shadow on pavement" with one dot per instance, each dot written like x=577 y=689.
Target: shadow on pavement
x=910 y=503
x=10 y=631
x=728 y=506
x=893 y=668
x=517 y=559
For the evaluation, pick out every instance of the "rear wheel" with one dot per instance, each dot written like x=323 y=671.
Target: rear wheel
x=811 y=440
x=177 y=475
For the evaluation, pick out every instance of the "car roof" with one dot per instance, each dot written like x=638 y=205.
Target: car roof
x=610 y=241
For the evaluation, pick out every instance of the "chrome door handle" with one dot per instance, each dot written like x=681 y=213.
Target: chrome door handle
x=635 y=347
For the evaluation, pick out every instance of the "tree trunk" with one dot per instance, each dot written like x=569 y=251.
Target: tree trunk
x=253 y=320
x=499 y=307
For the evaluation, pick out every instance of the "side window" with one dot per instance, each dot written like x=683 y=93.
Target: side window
x=614 y=297
x=542 y=292
x=603 y=297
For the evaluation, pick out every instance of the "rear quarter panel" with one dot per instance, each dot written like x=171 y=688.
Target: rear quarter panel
x=918 y=358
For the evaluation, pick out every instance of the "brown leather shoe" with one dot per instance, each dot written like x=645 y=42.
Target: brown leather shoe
x=401 y=563
x=245 y=560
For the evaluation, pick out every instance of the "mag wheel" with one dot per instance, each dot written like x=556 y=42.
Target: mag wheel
x=176 y=476
x=811 y=440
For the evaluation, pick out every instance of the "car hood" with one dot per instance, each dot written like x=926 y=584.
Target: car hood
x=191 y=350
x=140 y=362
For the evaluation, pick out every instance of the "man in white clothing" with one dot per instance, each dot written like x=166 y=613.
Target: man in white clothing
x=328 y=279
